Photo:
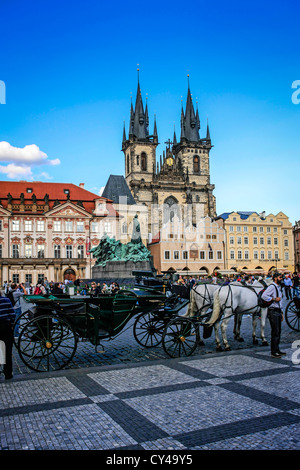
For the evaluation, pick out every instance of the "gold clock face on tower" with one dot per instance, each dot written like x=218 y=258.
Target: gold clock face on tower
x=170 y=161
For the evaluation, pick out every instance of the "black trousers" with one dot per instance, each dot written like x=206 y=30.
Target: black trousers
x=288 y=293
x=275 y=318
x=7 y=336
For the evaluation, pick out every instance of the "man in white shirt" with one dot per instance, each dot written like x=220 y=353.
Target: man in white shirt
x=273 y=293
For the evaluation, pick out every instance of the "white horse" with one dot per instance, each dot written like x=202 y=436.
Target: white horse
x=201 y=300
x=236 y=299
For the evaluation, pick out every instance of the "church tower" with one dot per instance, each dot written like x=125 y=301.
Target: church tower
x=140 y=147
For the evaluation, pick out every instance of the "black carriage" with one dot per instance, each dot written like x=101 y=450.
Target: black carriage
x=292 y=314
x=49 y=332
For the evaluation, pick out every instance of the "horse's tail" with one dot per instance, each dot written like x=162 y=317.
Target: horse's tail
x=191 y=307
x=216 y=309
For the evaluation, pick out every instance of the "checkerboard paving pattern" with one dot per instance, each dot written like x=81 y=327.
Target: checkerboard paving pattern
x=237 y=401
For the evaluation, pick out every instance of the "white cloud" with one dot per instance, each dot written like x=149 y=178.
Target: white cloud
x=21 y=160
x=14 y=171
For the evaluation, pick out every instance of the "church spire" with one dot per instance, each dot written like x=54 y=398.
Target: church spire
x=190 y=122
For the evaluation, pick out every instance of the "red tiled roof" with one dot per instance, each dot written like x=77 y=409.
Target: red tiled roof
x=55 y=191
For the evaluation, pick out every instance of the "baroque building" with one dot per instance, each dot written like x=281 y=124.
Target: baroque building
x=256 y=242
x=47 y=229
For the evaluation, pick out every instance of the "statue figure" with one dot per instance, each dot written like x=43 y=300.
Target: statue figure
x=22 y=198
x=9 y=196
x=34 y=198
x=110 y=249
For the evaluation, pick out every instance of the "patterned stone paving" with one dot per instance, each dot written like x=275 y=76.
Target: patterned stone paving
x=239 y=400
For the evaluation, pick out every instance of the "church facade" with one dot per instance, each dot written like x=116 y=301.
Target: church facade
x=175 y=188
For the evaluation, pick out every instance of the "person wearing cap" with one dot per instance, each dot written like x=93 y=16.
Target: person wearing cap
x=273 y=293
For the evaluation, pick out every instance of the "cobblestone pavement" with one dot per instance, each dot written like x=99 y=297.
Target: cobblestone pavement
x=132 y=398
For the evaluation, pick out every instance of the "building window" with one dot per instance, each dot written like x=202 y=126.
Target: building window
x=254 y=240
x=15 y=226
x=275 y=241
x=262 y=241
x=94 y=226
x=124 y=228
x=239 y=254
x=210 y=254
x=269 y=241
x=107 y=227
x=238 y=228
x=40 y=226
x=167 y=255
x=285 y=231
x=69 y=251
x=261 y=229
x=28 y=278
x=246 y=254
x=268 y=229
x=202 y=254
x=185 y=255
x=231 y=254
x=254 y=229
x=245 y=228
x=219 y=254
x=276 y=255
x=231 y=228
x=269 y=254
x=15 y=251
x=255 y=254
x=80 y=251
x=28 y=251
x=15 y=278
x=28 y=226
x=275 y=229
x=80 y=227
x=143 y=161
x=196 y=165
x=41 y=278
x=246 y=241
x=262 y=255
x=57 y=226
x=69 y=225
x=239 y=240
x=286 y=255
x=128 y=163
x=176 y=254
x=56 y=251
x=231 y=240
x=286 y=242
x=41 y=251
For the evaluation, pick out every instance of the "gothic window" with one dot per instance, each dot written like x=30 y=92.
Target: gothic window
x=144 y=161
x=128 y=163
x=196 y=164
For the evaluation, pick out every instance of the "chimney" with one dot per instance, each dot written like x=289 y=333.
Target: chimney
x=81 y=185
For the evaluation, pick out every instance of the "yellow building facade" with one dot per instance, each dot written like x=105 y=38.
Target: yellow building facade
x=258 y=242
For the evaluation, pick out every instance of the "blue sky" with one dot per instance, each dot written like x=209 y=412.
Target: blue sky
x=70 y=68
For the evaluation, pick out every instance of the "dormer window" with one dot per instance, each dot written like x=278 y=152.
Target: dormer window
x=29 y=190
x=66 y=191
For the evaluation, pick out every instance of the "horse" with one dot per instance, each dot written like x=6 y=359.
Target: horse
x=201 y=300
x=236 y=299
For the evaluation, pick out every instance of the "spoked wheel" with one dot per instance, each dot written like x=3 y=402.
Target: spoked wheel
x=22 y=320
x=292 y=314
x=47 y=343
x=180 y=337
x=148 y=329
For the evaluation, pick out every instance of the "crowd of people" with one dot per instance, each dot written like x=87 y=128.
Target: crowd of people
x=289 y=283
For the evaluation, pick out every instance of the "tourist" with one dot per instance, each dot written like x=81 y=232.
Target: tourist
x=104 y=288
x=288 y=286
x=7 y=317
x=295 y=281
x=95 y=290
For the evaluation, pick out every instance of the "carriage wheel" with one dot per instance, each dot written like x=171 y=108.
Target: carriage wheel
x=148 y=330
x=292 y=315
x=47 y=343
x=180 y=337
x=23 y=319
